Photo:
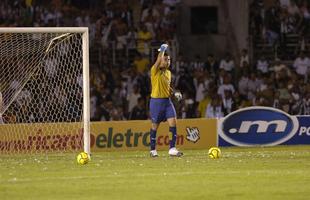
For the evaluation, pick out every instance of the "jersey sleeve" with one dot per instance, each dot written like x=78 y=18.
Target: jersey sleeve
x=154 y=70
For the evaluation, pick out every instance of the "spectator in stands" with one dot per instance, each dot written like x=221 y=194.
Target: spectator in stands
x=150 y=22
x=302 y=40
x=201 y=84
x=304 y=8
x=264 y=92
x=244 y=58
x=283 y=74
x=262 y=65
x=228 y=102
x=302 y=65
x=105 y=110
x=227 y=85
x=287 y=23
x=280 y=69
x=305 y=106
x=132 y=37
x=271 y=36
x=243 y=84
x=144 y=38
x=167 y=25
x=252 y=87
x=221 y=75
x=276 y=100
x=197 y=64
x=150 y=11
x=125 y=13
x=215 y=108
x=117 y=114
x=133 y=97
x=188 y=107
x=143 y=81
x=103 y=30
x=180 y=64
x=140 y=63
x=185 y=82
x=212 y=65
x=256 y=19
x=110 y=10
x=227 y=63
x=240 y=101
x=120 y=30
x=293 y=9
x=284 y=94
x=203 y=104
x=139 y=111
x=117 y=81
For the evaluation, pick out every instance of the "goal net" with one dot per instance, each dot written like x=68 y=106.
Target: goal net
x=44 y=88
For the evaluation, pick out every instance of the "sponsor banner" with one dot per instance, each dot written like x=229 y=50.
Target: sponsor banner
x=135 y=135
x=262 y=126
x=302 y=136
x=43 y=137
x=120 y=135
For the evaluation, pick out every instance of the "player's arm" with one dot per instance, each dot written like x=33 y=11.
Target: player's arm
x=160 y=56
x=175 y=93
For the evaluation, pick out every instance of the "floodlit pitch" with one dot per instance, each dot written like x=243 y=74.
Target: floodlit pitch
x=281 y=172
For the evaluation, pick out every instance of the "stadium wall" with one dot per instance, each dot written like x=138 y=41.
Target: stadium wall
x=236 y=14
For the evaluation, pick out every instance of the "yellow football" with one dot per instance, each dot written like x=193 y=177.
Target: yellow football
x=82 y=158
x=214 y=152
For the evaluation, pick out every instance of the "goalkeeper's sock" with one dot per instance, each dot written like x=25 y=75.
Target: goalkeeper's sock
x=173 y=131
x=153 y=139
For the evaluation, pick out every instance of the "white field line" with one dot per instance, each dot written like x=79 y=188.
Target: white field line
x=120 y=175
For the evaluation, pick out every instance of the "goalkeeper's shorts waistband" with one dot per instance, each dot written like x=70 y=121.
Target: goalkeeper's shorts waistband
x=159 y=98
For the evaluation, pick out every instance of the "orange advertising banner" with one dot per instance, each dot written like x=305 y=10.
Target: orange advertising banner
x=106 y=136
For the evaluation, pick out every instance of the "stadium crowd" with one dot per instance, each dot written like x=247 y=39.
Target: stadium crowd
x=211 y=88
x=275 y=20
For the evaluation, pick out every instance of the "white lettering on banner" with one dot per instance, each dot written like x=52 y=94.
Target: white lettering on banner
x=304 y=130
x=262 y=126
x=192 y=134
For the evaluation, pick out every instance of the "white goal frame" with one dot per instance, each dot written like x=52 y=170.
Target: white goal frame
x=85 y=49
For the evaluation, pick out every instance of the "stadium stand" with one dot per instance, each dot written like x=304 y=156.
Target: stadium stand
x=124 y=36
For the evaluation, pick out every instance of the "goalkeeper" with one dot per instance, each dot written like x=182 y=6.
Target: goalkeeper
x=161 y=106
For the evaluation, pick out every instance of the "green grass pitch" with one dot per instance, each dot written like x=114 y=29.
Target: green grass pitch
x=281 y=172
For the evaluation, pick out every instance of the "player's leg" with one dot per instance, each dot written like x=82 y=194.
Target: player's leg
x=172 y=130
x=153 y=132
x=172 y=121
x=156 y=112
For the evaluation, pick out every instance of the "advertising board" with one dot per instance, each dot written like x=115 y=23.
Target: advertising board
x=263 y=126
x=105 y=136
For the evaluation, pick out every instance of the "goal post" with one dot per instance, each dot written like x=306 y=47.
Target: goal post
x=44 y=83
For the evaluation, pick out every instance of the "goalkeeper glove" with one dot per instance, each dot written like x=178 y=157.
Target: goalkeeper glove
x=178 y=96
x=163 y=47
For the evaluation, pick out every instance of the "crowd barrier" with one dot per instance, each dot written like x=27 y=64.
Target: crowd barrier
x=252 y=126
x=107 y=136
x=263 y=126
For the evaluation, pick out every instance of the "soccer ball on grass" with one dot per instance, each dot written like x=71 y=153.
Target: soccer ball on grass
x=83 y=158
x=214 y=152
